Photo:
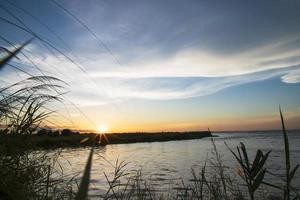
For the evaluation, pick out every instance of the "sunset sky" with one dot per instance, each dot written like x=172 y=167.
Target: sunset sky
x=164 y=65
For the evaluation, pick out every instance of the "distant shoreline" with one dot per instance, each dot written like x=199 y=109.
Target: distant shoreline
x=73 y=141
x=257 y=131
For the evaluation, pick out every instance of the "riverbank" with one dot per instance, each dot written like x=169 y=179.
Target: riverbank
x=46 y=141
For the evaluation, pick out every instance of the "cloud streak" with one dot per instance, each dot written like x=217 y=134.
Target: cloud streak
x=172 y=50
x=165 y=82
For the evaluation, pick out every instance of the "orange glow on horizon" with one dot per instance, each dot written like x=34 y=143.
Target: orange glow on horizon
x=230 y=123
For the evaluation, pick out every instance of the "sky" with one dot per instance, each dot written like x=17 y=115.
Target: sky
x=163 y=65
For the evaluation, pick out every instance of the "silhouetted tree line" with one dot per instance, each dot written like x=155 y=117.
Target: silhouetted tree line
x=56 y=133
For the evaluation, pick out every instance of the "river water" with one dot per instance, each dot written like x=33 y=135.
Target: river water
x=166 y=164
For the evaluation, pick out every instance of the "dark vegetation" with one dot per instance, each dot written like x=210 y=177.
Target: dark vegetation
x=155 y=137
x=45 y=138
x=56 y=133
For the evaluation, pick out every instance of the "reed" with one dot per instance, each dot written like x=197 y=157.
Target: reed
x=82 y=193
x=289 y=173
x=27 y=174
x=11 y=54
x=251 y=173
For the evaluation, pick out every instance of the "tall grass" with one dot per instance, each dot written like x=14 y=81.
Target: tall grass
x=84 y=185
x=27 y=174
x=289 y=173
x=11 y=54
x=251 y=173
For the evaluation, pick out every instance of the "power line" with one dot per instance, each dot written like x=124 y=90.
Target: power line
x=45 y=42
x=100 y=41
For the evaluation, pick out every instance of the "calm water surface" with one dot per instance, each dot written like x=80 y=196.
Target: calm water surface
x=167 y=163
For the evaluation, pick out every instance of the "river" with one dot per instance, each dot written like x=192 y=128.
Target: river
x=165 y=164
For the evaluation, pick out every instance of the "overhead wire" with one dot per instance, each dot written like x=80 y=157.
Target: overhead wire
x=28 y=30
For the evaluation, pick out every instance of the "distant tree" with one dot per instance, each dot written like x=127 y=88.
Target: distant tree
x=54 y=133
x=49 y=133
x=66 y=132
x=42 y=131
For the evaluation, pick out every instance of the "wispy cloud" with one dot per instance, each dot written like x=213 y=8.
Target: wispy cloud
x=291 y=77
x=185 y=75
x=171 y=50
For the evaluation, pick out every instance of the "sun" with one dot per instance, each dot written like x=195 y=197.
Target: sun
x=102 y=128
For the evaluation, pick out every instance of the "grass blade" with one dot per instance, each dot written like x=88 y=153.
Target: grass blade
x=12 y=54
x=287 y=157
x=258 y=180
x=84 y=184
x=292 y=173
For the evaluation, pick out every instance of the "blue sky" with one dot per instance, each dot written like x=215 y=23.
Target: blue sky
x=168 y=65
